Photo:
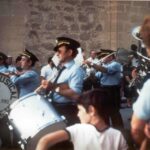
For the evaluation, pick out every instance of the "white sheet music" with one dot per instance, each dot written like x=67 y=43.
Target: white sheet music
x=79 y=58
x=56 y=60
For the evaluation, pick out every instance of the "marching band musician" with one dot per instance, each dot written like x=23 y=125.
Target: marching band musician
x=141 y=108
x=93 y=57
x=27 y=80
x=90 y=80
x=3 y=64
x=69 y=82
x=11 y=66
x=110 y=75
x=47 y=70
x=18 y=64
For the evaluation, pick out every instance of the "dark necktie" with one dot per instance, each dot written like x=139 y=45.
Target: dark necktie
x=58 y=75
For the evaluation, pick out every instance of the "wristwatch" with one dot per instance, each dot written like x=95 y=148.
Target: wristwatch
x=57 y=89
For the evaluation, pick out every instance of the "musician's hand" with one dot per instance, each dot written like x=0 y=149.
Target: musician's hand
x=12 y=73
x=147 y=130
x=134 y=73
x=9 y=74
x=47 y=85
x=18 y=73
x=87 y=63
x=6 y=74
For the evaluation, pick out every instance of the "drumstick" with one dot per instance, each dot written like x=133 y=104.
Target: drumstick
x=51 y=79
x=39 y=89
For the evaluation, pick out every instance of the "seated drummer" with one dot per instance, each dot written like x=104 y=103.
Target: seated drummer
x=70 y=81
x=28 y=80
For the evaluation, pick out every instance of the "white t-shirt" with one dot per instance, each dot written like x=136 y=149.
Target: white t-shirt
x=90 y=70
x=87 y=137
x=46 y=71
x=94 y=61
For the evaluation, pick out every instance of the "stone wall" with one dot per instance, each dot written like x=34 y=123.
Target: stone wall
x=12 y=26
x=97 y=24
x=86 y=21
x=129 y=15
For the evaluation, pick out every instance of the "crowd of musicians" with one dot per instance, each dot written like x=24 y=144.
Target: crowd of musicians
x=89 y=93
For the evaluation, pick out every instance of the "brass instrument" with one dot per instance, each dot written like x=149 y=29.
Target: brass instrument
x=136 y=33
x=144 y=61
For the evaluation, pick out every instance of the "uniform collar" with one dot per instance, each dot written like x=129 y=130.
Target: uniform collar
x=69 y=64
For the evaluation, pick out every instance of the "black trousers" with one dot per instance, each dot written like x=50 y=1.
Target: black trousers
x=114 y=106
x=69 y=111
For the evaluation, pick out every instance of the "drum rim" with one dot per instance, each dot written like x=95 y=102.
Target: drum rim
x=12 y=99
x=21 y=99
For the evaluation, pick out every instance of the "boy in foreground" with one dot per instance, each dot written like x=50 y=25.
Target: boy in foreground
x=92 y=132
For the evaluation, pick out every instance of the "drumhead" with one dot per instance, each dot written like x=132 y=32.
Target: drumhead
x=33 y=116
x=8 y=94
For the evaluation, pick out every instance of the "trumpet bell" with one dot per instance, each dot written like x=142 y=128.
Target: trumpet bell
x=136 y=33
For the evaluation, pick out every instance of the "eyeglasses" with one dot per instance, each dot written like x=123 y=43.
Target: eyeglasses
x=59 y=51
x=62 y=51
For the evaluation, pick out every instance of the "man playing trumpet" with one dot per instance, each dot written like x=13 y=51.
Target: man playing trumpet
x=109 y=75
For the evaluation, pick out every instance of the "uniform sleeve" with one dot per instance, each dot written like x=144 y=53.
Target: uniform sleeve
x=24 y=78
x=76 y=80
x=141 y=107
x=113 y=68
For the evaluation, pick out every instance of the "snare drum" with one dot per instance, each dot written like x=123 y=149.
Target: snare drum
x=32 y=117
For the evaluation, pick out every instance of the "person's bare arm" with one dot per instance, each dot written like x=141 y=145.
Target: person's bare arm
x=146 y=143
x=52 y=138
x=147 y=130
x=64 y=89
x=69 y=93
x=137 y=129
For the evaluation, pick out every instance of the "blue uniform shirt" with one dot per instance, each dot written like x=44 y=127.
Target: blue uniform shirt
x=3 y=69
x=113 y=75
x=142 y=105
x=27 y=82
x=12 y=68
x=73 y=76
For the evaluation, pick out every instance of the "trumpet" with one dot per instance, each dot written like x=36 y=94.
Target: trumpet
x=121 y=54
x=104 y=56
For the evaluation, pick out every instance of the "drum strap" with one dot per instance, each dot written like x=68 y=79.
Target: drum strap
x=58 y=75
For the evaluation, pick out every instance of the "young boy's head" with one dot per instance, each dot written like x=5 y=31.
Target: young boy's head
x=93 y=102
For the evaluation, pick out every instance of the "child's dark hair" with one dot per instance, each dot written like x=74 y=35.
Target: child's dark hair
x=99 y=99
